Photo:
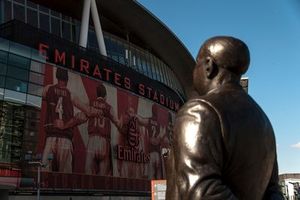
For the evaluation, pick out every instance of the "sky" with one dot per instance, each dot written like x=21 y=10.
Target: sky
x=271 y=29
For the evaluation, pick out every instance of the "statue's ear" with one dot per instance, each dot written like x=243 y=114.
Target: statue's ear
x=210 y=67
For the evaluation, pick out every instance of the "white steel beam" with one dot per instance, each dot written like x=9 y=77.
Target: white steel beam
x=84 y=29
x=98 y=29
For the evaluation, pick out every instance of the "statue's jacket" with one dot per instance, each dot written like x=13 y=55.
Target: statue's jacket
x=223 y=148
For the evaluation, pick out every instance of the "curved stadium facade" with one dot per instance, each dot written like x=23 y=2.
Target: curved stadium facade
x=86 y=108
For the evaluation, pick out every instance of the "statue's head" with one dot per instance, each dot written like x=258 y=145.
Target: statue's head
x=222 y=54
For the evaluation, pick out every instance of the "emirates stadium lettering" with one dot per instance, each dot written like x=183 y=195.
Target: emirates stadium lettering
x=118 y=77
x=128 y=153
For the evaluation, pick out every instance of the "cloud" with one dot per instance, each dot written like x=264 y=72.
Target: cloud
x=296 y=145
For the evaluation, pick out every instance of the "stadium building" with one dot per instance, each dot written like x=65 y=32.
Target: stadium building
x=88 y=94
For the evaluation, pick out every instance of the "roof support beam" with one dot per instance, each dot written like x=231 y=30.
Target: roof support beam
x=90 y=5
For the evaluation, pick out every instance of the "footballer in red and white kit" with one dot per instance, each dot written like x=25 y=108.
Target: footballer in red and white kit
x=59 y=102
x=125 y=168
x=155 y=133
x=98 y=157
x=166 y=143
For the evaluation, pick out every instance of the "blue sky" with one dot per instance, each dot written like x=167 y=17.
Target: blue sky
x=271 y=29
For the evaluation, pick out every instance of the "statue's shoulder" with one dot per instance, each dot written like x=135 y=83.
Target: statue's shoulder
x=198 y=108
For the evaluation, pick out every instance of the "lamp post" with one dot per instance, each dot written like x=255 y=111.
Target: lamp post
x=39 y=165
x=37 y=162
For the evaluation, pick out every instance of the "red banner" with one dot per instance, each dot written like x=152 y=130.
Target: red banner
x=93 y=129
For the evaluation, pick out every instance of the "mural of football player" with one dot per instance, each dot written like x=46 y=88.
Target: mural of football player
x=99 y=116
x=130 y=136
x=59 y=110
x=125 y=168
x=98 y=158
x=166 y=142
x=155 y=134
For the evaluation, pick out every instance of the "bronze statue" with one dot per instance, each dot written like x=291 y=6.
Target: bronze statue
x=223 y=144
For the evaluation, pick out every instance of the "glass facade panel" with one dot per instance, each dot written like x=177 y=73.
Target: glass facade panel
x=4 y=44
x=2 y=81
x=2 y=68
x=55 y=26
x=16 y=85
x=92 y=40
x=18 y=61
x=32 y=17
x=20 y=49
x=54 y=13
x=43 y=9
x=37 y=56
x=32 y=5
x=1 y=91
x=44 y=22
x=36 y=78
x=14 y=96
x=17 y=73
x=66 y=30
x=35 y=89
x=20 y=1
x=74 y=34
x=8 y=9
x=37 y=67
x=34 y=101
x=19 y=12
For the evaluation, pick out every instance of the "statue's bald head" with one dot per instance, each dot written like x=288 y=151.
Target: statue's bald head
x=227 y=52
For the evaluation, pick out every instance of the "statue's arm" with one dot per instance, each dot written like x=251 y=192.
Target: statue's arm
x=196 y=157
x=273 y=191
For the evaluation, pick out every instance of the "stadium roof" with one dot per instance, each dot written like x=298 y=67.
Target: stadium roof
x=129 y=18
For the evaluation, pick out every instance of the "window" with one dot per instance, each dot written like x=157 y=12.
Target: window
x=75 y=31
x=20 y=49
x=19 y=12
x=37 y=67
x=44 y=9
x=164 y=72
x=8 y=13
x=66 y=30
x=14 y=96
x=152 y=67
x=18 y=61
x=32 y=17
x=16 y=85
x=54 y=13
x=35 y=89
x=2 y=81
x=34 y=101
x=20 y=1
x=44 y=22
x=2 y=68
x=138 y=61
x=55 y=26
x=17 y=73
x=66 y=18
x=36 y=78
x=31 y=5
x=144 y=64
x=92 y=40
x=3 y=57
x=160 y=73
x=1 y=91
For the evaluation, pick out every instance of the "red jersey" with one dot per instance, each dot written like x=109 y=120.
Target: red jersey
x=154 y=131
x=59 y=107
x=130 y=135
x=100 y=125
